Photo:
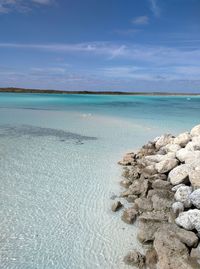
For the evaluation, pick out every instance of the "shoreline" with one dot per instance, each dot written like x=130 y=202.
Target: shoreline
x=41 y=91
x=162 y=188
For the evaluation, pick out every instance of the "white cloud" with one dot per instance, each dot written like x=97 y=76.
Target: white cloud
x=7 y=6
x=155 y=8
x=154 y=55
x=141 y=20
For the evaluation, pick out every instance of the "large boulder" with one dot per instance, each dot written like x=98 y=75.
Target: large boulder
x=182 y=139
x=194 y=177
x=179 y=174
x=195 y=198
x=172 y=253
x=163 y=140
x=189 y=220
x=166 y=165
x=183 y=195
x=184 y=154
x=195 y=131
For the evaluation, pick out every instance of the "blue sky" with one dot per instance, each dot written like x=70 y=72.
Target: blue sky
x=130 y=45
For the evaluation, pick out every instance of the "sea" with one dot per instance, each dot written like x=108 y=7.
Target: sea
x=59 y=174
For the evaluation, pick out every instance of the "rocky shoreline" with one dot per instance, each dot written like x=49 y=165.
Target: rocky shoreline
x=162 y=187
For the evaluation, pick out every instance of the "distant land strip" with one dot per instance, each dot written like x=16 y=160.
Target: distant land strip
x=23 y=90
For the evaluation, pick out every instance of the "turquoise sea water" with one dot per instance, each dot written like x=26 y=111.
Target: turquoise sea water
x=58 y=172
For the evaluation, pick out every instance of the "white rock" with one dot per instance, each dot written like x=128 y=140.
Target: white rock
x=193 y=157
x=182 y=139
x=183 y=195
x=172 y=148
x=179 y=174
x=166 y=165
x=195 y=130
x=177 y=208
x=195 y=198
x=175 y=188
x=163 y=140
x=189 y=220
x=183 y=154
x=194 y=177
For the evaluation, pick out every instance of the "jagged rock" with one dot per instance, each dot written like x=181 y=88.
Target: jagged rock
x=160 y=202
x=161 y=184
x=125 y=183
x=128 y=159
x=154 y=216
x=151 y=258
x=144 y=204
x=172 y=253
x=129 y=215
x=179 y=174
x=147 y=230
x=131 y=198
x=189 y=220
x=182 y=139
x=166 y=165
x=195 y=198
x=149 y=170
x=139 y=187
x=183 y=195
x=194 y=177
x=195 y=131
x=177 y=208
x=116 y=206
x=163 y=193
x=163 y=140
x=135 y=258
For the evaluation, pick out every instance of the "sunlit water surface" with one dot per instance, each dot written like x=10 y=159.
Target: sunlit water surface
x=58 y=173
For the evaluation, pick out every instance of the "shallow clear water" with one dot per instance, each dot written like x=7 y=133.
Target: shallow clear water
x=58 y=171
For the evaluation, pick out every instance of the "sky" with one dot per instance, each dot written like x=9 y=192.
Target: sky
x=118 y=45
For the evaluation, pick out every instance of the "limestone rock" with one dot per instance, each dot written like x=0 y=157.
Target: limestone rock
x=177 y=208
x=166 y=165
x=183 y=195
x=194 y=177
x=195 y=253
x=179 y=174
x=172 y=253
x=176 y=187
x=151 y=258
x=128 y=159
x=182 y=139
x=172 y=148
x=195 y=198
x=163 y=140
x=116 y=206
x=144 y=204
x=129 y=215
x=135 y=258
x=189 y=220
x=161 y=184
x=195 y=131
x=183 y=154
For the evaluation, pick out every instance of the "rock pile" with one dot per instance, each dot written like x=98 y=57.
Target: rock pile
x=162 y=185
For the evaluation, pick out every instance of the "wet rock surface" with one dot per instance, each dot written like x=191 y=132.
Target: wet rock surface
x=162 y=182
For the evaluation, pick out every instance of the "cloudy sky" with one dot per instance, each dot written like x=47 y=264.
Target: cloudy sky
x=130 y=45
